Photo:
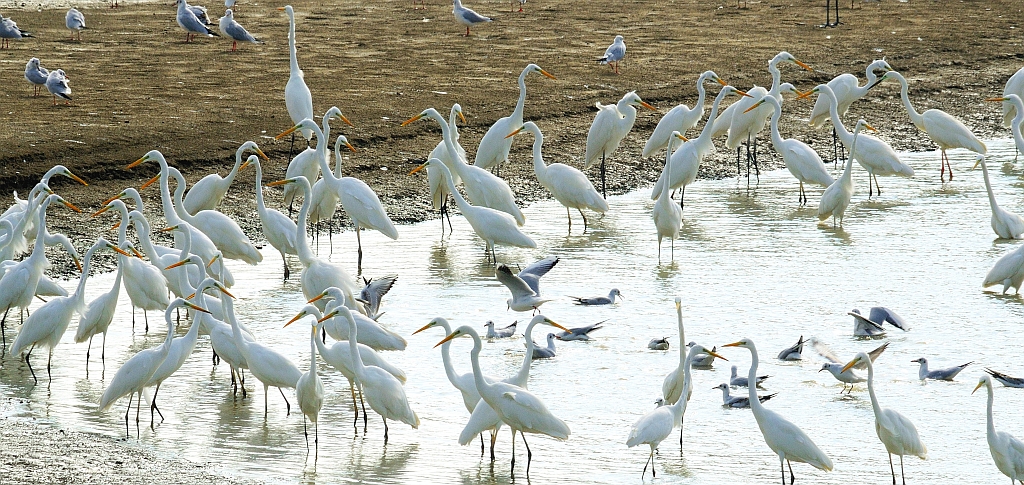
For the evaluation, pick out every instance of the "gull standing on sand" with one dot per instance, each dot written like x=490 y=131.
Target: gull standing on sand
x=57 y=85
x=190 y=22
x=614 y=53
x=232 y=29
x=35 y=74
x=871 y=326
x=467 y=16
x=9 y=30
x=75 y=22
x=947 y=374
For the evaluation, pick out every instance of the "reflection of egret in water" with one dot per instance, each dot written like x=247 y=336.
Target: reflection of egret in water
x=378 y=465
x=837 y=235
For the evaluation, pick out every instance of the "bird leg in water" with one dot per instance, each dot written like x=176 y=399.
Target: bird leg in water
x=893 y=471
x=359 y=243
x=604 y=190
x=481 y=444
x=3 y=331
x=27 y=362
x=878 y=190
x=287 y=405
x=146 y=316
x=385 y=430
x=792 y=478
x=494 y=437
x=569 y=215
x=584 y=220
x=152 y=407
x=529 y=455
x=650 y=460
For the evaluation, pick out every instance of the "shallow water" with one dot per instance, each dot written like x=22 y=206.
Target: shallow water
x=748 y=264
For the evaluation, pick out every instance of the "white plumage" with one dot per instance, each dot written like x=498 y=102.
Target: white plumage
x=496 y=143
x=1006 y=224
x=1008 y=271
x=680 y=118
x=837 y=196
x=1007 y=451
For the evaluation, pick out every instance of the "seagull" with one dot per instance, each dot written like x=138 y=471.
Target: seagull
x=872 y=325
x=188 y=20
x=580 y=333
x=373 y=293
x=835 y=364
x=658 y=343
x=614 y=53
x=737 y=401
x=501 y=332
x=57 y=85
x=1005 y=379
x=794 y=352
x=75 y=22
x=35 y=74
x=599 y=300
x=9 y=30
x=738 y=381
x=525 y=286
x=233 y=29
x=200 y=13
x=702 y=360
x=467 y=17
x=545 y=352
x=938 y=374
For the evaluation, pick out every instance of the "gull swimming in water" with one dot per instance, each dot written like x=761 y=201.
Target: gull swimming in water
x=702 y=360
x=795 y=352
x=35 y=74
x=467 y=16
x=580 y=333
x=738 y=381
x=614 y=53
x=501 y=332
x=658 y=344
x=1005 y=379
x=872 y=326
x=231 y=28
x=57 y=85
x=737 y=401
x=188 y=20
x=525 y=286
x=545 y=352
x=947 y=374
x=599 y=300
x=75 y=22
x=373 y=293
x=835 y=365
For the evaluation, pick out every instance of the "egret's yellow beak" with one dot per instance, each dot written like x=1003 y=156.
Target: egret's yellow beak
x=321 y=295
x=734 y=344
x=982 y=383
x=196 y=307
x=548 y=74
x=279 y=182
x=848 y=366
x=448 y=338
x=104 y=209
x=296 y=318
x=410 y=120
x=556 y=325
x=287 y=132
x=805 y=66
x=752 y=108
x=75 y=178
x=648 y=106
x=431 y=324
x=150 y=182
x=514 y=133
x=137 y=162
x=463 y=118
x=175 y=265
x=417 y=169
x=328 y=316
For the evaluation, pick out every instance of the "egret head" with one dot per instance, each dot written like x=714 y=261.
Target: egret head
x=307 y=310
x=541 y=319
x=861 y=358
x=535 y=68
x=633 y=99
x=335 y=114
x=151 y=155
x=745 y=343
x=711 y=76
x=342 y=140
x=307 y=124
x=985 y=380
x=433 y=162
x=787 y=57
x=252 y=160
x=429 y=112
x=438 y=321
x=457 y=109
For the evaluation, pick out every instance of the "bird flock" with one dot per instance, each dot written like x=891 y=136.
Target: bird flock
x=191 y=276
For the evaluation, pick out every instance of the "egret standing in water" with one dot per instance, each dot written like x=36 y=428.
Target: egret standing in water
x=1007 y=451
x=680 y=118
x=837 y=196
x=1006 y=224
x=668 y=218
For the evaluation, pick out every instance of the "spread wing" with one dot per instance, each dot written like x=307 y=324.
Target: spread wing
x=823 y=349
x=532 y=274
x=868 y=321
x=882 y=314
x=875 y=353
x=375 y=290
x=515 y=284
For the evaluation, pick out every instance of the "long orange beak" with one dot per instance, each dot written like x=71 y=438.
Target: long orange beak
x=998 y=100
x=410 y=120
x=720 y=81
x=805 y=66
x=548 y=74
x=78 y=263
x=463 y=118
x=279 y=182
x=104 y=209
x=349 y=123
x=71 y=206
x=262 y=155
x=197 y=307
x=424 y=328
x=295 y=318
x=752 y=108
x=136 y=163
x=350 y=147
x=446 y=339
x=150 y=182
x=734 y=344
x=328 y=316
x=175 y=265
x=321 y=295
x=417 y=169
x=681 y=137
x=807 y=94
x=118 y=196
x=287 y=132
x=76 y=179
x=212 y=260
x=514 y=133
x=122 y=251
x=648 y=106
x=715 y=354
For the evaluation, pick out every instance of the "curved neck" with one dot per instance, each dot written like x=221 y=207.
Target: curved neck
x=305 y=253
x=1016 y=123
x=446 y=357
x=871 y=390
x=474 y=356
x=234 y=170
x=337 y=158
x=166 y=345
x=142 y=231
x=905 y=95
x=776 y=78
x=538 y=157
x=80 y=289
x=776 y=136
x=165 y=194
x=701 y=96
x=459 y=200
x=523 y=376
x=122 y=229
x=353 y=345
x=668 y=173
x=988 y=185
x=705 y=134
x=260 y=205
x=755 y=403
x=870 y=74
x=848 y=170
x=682 y=337
x=517 y=114
x=39 y=250
x=179 y=206
x=833 y=110
x=312 y=352
x=453 y=153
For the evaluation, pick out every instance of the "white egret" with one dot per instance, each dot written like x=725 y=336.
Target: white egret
x=497 y=142
x=463 y=382
x=599 y=300
x=208 y=192
x=1017 y=106
x=178 y=281
x=325 y=200
x=1006 y=224
x=680 y=118
x=297 y=97
x=786 y=439
x=686 y=159
x=265 y=363
x=946 y=131
x=482 y=187
x=1007 y=451
x=614 y=53
x=946 y=374
x=75 y=22
x=493 y=226
x=836 y=367
x=837 y=196
x=145 y=284
x=383 y=390
x=1008 y=271
x=1014 y=85
x=309 y=391
x=894 y=430
x=278 y=228
x=525 y=286
x=45 y=326
x=134 y=374
x=876 y=156
x=611 y=124
x=569 y=186
x=438 y=187
x=802 y=161
x=99 y=314
x=370 y=332
x=737 y=401
x=222 y=230
x=307 y=162
x=674 y=384
x=668 y=218
x=847 y=90
x=655 y=426
x=520 y=409
x=466 y=16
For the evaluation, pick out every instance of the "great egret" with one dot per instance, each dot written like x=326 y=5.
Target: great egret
x=1007 y=451
x=438 y=187
x=1008 y=271
x=837 y=196
x=611 y=124
x=75 y=22
x=739 y=381
x=325 y=200
x=668 y=218
x=1017 y=106
x=278 y=228
x=57 y=85
x=309 y=391
x=1006 y=224
x=846 y=90
x=297 y=97
x=675 y=383
x=99 y=314
x=463 y=382
x=872 y=325
x=35 y=75
x=786 y=439
x=222 y=230
x=680 y=118
x=339 y=356
x=836 y=367
x=145 y=284
x=525 y=286
x=493 y=226
x=688 y=156
x=370 y=332
x=598 y=300
x=234 y=30
x=895 y=431
x=187 y=20
x=45 y=326
x=18 y=284
x=208 y=192
x=383 y=390
x=946 y=374
x=497 y=142
x=946 y=131
x=134 y=374
x=466 y=16
x=737 y=401
x=1014 y=85
x=482 y=187
x=265 y=363
x=569 y=186
x=794 y=352
x=520 y=409
x=656 y=425
x=178 y=281
x=614 y=53
x=802 y=161
x=876 y=156
x=307 y=163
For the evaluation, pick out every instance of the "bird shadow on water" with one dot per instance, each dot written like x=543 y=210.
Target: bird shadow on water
x=442 y=263
x=837 y=233
x=370 y=460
